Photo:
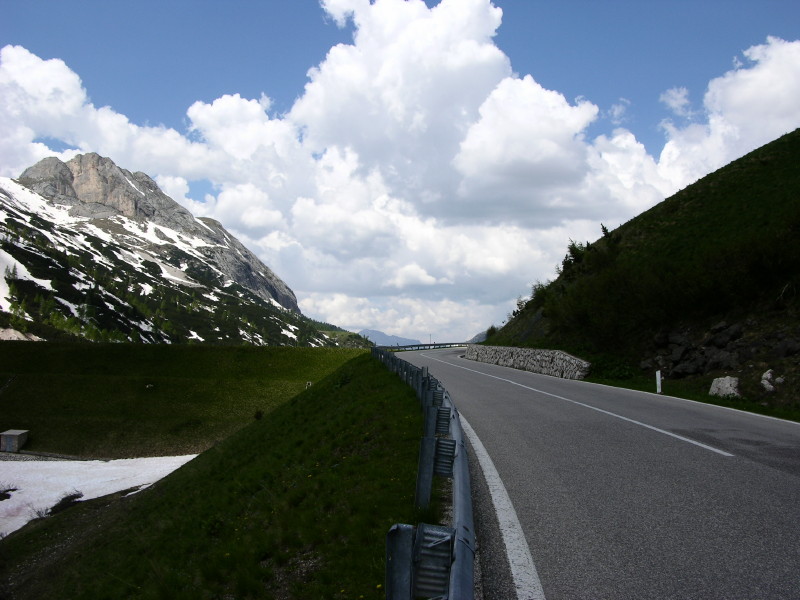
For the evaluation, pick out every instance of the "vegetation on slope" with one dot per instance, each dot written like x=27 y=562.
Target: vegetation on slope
x=295 y=505
x=725 y=249
x=125 y=400
x=85 y=287
x=342 y=337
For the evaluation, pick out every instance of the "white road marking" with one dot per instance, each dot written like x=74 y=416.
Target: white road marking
x=645 y=425
x=523 y=571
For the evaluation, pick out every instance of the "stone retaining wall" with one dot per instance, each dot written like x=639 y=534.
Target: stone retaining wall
x=547 y=362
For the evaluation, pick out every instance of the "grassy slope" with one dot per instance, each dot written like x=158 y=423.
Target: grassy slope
x=725 y=248
x=295 y=505
x=729 y=242
x=124 y=400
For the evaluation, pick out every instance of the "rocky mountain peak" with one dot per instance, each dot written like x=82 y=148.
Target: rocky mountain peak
x=96 y=189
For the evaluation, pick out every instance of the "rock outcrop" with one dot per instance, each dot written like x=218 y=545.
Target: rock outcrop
x=97 y=189
x=547 y=362
x=9 y=334
x=723 y=347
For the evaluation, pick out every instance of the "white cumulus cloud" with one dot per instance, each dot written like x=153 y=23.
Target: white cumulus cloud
x=417 y=185
x=677 y=100
x=745 y=108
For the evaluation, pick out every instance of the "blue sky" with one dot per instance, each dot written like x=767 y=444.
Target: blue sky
x=416 y=186
x=153 y=61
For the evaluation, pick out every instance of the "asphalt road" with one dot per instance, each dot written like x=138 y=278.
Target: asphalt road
x=622 y=494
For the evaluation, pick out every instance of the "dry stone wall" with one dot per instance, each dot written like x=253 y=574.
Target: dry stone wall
x=547 y=362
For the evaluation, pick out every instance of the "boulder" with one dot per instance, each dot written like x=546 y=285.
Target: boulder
x=721 y=360
x=692 y=366
x=786 y=347
x=677 y=353
x=725 y=387
x=766 y=381
x=726 y=336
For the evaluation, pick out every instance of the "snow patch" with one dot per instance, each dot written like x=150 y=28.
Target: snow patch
x=41 y=484
x=133 y=186
x=9 y=262
x=72 y=307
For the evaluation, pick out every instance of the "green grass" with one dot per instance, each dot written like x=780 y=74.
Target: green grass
x=726 y=248
x=295 y=505
x=616 y=371
x=696 y=389
x=725 y=245
x=125 y=400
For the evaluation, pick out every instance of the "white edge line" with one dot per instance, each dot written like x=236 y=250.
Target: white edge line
x=600 y=410
x=655 y=395
x=698 y=402
x=523 y=571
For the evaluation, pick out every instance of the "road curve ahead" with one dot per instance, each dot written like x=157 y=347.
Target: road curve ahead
x=623 y=494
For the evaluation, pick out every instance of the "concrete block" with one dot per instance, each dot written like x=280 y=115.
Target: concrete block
x=13 y=440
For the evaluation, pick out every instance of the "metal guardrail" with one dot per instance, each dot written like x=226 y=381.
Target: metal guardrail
x=433 y=561
x=423 y=346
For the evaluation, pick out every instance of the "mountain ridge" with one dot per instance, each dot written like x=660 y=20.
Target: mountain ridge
x=93 y=251
x=96 y=188
x=380 y=338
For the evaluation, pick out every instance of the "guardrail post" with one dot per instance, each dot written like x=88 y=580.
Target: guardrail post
x=429 y=424
x=427 y=453
x=399 y=558
x=463 y=572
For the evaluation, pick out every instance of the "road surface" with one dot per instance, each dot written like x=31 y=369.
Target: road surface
x=622 y=494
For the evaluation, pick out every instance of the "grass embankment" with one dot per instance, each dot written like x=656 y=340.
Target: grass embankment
x=130 y=400
x=726 y=246
x=696 y=388
x=648 y=295
x=295 y=505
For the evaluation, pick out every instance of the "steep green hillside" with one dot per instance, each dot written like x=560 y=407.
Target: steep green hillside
x=295 y=505
x=127 y=400
x=722 y=255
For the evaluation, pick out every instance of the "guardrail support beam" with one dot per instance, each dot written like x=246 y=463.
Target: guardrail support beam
x=399 y=557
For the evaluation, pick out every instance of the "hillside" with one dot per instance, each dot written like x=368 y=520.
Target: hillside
x=131 y=400
x=295 y=503
x=706 y=282
x=92 y=251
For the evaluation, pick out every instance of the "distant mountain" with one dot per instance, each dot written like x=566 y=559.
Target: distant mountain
x=91 y=250
x=381 y=339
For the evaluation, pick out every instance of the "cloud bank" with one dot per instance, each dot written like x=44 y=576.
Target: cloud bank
x=417 y=185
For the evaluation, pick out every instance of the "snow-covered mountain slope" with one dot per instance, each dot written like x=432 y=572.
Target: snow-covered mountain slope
x=96 y=251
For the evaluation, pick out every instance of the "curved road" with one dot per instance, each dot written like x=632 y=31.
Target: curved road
x=622 y=494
